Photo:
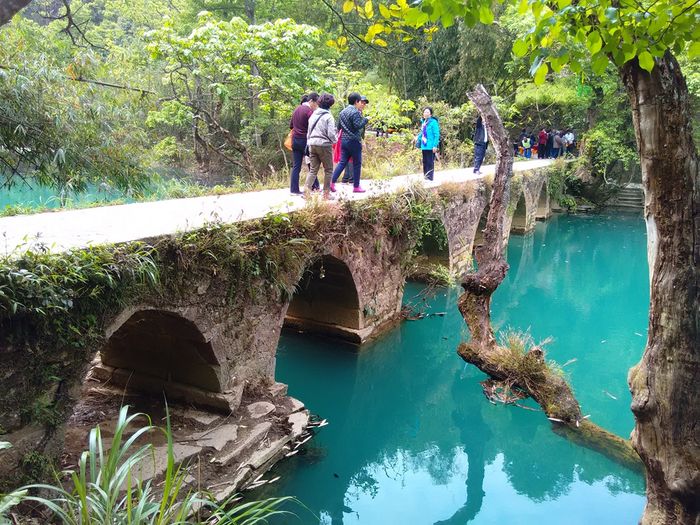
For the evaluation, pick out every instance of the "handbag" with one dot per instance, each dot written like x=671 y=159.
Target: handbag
x=288 y=140
x=337 y=148
x=306 y=149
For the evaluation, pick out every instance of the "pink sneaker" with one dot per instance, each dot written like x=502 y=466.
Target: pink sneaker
x=357 y=189
x=333 y=187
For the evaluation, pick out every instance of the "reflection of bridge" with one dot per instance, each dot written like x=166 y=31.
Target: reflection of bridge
x=202 y=344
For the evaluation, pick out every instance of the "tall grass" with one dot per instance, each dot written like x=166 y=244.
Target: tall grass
x=104 y=490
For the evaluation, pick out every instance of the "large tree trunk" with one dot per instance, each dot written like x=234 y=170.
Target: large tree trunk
x=665 y=383
x=9 y=8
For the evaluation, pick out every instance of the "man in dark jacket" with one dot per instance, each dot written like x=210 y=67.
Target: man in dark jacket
x=353 y=123
x=299 y=124
x=550 y=144
x=481 y=140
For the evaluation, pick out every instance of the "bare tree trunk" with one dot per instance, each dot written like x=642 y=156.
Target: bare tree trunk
x=665 y=383
x=528 y=372
x=249 y=7
x=475 y=302
x=9 y=8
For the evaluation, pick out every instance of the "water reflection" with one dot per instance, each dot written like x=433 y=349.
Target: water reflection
x=412 y=439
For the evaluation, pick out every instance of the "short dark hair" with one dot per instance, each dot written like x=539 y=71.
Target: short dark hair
x=304 y=98
x=313 y=96
x=429 y=109
x=326 y=100
x=354 y=98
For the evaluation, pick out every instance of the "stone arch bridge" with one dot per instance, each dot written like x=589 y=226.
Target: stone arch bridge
x=209 y=349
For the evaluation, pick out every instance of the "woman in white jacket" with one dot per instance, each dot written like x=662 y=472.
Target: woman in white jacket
x=320 y=140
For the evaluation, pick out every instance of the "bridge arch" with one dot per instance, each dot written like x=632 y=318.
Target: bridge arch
x=432 y=249
x=544 y=207
x=165 y=345
x=166 y=351
x=461 y=216
x=520 y=221
x=326 y=299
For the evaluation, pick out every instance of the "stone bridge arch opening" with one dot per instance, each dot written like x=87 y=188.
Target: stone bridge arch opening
x=326 y=301
x=520 y=222
x=432 y=250
x=159 y=352
x=544 y=209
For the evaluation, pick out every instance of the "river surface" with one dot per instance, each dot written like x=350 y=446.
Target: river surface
x=413 y=440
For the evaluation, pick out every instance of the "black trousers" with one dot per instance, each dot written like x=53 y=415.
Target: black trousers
x=479 y=154
x=428 y=163
x=350 y=149
x=298 y=148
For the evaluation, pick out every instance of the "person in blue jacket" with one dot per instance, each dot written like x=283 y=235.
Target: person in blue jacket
x=428 y=140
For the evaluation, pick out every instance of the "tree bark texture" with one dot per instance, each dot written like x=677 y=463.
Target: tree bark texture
x=475 y=302
x=9 y=8
x=665 y=383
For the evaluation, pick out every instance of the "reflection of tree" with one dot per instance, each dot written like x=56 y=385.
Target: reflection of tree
x=474 y=435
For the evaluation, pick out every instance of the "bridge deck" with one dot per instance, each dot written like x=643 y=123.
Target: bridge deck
x=63 y=230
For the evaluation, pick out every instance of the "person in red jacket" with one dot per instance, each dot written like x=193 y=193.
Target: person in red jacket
x=542 y=144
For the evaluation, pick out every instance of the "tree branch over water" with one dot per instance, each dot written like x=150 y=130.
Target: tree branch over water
x=518 y=365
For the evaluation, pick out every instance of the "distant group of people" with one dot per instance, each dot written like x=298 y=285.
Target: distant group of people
x=548 y=144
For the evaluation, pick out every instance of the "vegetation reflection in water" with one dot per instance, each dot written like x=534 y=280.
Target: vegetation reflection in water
x=412 y=439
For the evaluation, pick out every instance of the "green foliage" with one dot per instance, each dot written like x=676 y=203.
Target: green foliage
x=608 y=155
x=104 y=489
x=558 y=176
x=386 y=111
x=602 y=31
x=432 y=232
x=484 y=55
x=64 y=294
x=234 y=80
x=556 y=104
x=56 y=130
x=438 y=275
x=34 y=466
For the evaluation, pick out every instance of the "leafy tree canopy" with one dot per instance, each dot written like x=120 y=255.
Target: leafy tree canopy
x=564 y=32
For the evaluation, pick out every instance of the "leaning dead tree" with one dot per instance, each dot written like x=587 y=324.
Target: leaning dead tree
x=526 y=371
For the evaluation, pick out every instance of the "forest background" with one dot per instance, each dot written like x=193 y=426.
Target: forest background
x=170 y=98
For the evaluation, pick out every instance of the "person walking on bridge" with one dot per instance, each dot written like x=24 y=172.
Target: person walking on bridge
x=481 y=140
x=299 y=124
x=352 y=123
x=320 y=141
x=427 y=141
x=558 y=144
x=542 y=144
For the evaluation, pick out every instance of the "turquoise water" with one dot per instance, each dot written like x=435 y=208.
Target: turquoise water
x=35 y=196
x=413 y=440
